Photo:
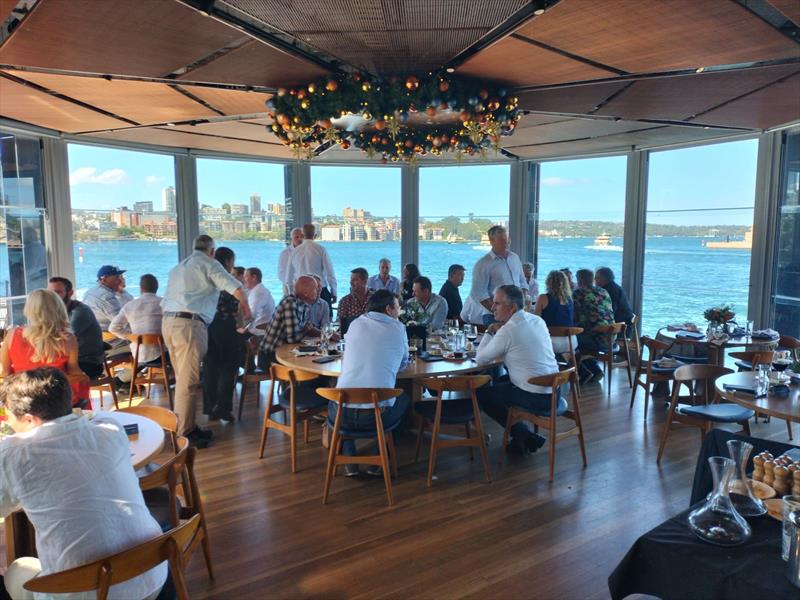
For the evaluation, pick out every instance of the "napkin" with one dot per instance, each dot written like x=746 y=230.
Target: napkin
x=739 y=388
x=695 y=335
x=767 y=334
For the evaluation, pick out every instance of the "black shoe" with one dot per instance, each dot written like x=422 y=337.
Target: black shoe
x=225 y=417
x=203 y=434
x=516 y=446
x=375 y=471
x=534 y=442
x=351 y=471
x=195 y=441
x=586 y=377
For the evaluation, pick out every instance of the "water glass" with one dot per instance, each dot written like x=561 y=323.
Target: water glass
x=749 y=328
x=788 y=504
x=762 y=380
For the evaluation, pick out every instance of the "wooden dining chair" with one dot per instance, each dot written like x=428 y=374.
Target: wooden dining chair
x=295 y=409
x=648 y=373
x=159 y=373
x=167 y=419
x=106 y=383
x=174 y=547
x=605 y=355
x=571 y=355
x=750 y=359
x=633 y=343
x=548 y=419
x=386 y=450
x=456 y=412
x=704 y=409
x=787 y=342
x=253 y=373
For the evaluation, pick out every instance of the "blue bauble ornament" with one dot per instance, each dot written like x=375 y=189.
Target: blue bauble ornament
x=271 y=104
x=502 y=92
x=403 y=117
x=473 y=100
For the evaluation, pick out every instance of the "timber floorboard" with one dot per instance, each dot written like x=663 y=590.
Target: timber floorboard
x=517 y=537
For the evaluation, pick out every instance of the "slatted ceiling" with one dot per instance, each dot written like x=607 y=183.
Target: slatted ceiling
x=516 y=63
x=568 y=130
x=770 y=107
x=144 y=103
x=647 y=36
x=233 y=129
x=789 y=8
x=22 y=103
x=171 y=136
x=150 y=39
x=255 y=63
x=413 y=35
x=231 y=102
x=578 y=99
x=678 y=98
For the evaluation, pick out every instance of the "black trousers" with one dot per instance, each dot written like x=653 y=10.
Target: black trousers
x=326 y=295
x=221 y=365
x=92 y=369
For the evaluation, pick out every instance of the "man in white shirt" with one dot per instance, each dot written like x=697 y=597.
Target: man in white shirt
x=189 y=305
x=142 y=315
x=499 y=267
x=102 y=298
x=383 y=280
x=310 y=258
x=262 y=305
x=522 y=341
x=432 y=308
x=75 y=481
x=376 y=349
x=286 y=256
x=532 y=285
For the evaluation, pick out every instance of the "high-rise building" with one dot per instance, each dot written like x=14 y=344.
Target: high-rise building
x=238 y=210
x=143 y=206
x=255 y=204
x=168 y=199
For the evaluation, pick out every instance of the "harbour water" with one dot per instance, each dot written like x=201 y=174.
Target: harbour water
x=682 y=278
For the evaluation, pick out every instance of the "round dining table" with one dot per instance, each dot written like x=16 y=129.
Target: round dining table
x=785 y=407
x=716 y=348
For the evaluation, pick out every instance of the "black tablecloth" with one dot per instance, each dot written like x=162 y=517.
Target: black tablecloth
x=671 y=562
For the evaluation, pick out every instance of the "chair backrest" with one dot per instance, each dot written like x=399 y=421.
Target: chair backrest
x=553 y=380
x=148 y=339
x=170 y=474
x=653 y=347
x=345 y=396
x=108 y=336
x=463 y=383
x=612 y=330
x=288 y=375
x=700 y=372
x=754 y=357
x=787 y=342
x=167 y=419
x=557 y=331
x=101 y=574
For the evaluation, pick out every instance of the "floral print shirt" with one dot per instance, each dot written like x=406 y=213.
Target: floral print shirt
x=592 y=306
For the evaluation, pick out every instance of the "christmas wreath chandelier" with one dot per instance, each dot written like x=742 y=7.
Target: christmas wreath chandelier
x=394 y=118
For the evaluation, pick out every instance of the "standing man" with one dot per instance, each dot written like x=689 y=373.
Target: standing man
x=262 y=305
x=102 y=298
x=449 y=291
x=141 y=315
x=310 y=258
x=286 y=256
x=91 y=352
x=189 y=305
x=384 y=281
x=431 y=307
x=499 y=267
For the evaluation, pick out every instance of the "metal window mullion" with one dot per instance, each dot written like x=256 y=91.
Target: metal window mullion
x=186 y=203
x=409 y=214
x=58 y=208
x=297 y=185
x=635 y=228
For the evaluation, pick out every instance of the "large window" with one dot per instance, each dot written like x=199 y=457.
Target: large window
x=242 y=206
x=699 y=232
x=785 y=309
x=357 y=212
x=581 y=215
x=23 y=257
x=457 y=205
x=123 y=214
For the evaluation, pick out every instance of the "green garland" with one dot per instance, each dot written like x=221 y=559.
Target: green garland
x=303 y=116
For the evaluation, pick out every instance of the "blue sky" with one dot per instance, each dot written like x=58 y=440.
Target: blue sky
x=716 y=176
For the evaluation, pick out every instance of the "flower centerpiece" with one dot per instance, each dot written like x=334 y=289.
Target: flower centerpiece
x=720 y=315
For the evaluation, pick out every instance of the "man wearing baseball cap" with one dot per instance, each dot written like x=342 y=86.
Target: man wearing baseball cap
x=102 y=298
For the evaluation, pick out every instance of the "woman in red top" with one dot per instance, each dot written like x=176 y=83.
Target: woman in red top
x=45 y=341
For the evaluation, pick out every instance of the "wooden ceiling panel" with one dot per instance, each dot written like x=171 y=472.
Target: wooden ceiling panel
x=789 y=8
x=231 y=102
x=514 y=62
x=681 y=97
x=145 y=103
x=256 y=132
x=577 y=99
x=150 y=39
x=567 y=129
x=652 y=36
x=28 y=105
x=776 y=105
x=255 y=63
x=174 y=138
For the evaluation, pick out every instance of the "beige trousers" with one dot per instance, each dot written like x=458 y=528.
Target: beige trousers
x=187 y=342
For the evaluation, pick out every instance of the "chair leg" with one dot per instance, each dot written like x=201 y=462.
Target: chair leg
x=332 y=451
x=207 y=550
x=668 y=422
x=392 y=453
x=434 y=448
x=387 y=476
x=482 y=447
x=509 y=422
x=746 y=426
x=552 y=447
x=306 y=426
x=646 y=398
x=264 y=431
x=293 y=440
x=466 y=434
x=628 y=363
x=243 y=393
x=420 y=434
x=789 y=428
x=635 y=389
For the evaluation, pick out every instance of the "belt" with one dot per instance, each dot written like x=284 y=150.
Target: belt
x=185 y=315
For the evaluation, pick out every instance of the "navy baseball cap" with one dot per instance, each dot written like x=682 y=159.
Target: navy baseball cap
x=109 y=271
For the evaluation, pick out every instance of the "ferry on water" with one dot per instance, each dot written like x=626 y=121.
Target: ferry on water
x=603 y=242
x=745 y=244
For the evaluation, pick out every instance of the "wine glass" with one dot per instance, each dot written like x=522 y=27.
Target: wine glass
x=471 y=332
x=781 y=360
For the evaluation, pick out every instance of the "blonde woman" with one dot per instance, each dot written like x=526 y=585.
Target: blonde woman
x=46 y=341
x=555 y=307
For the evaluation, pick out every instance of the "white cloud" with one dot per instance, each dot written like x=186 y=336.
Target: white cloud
x=153 y=179
x=563 y=181
x=90 y=175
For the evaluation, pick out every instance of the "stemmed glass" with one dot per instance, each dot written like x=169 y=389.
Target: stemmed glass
x=471 y=332
x=781 y=360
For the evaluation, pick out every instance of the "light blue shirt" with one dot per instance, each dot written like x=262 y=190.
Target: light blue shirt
x=489 y=272
x=376 y=348
x=375 y=283
x=194 y=285
x=435 y=312
x=104 y=304
x=319 y=314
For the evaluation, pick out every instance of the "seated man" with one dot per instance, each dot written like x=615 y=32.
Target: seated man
x=623 y=313
x=449 y=291
x=102 y=298
x=522 y=341
x=142 y=315
x=354 y=304
x=384 y=281
x=319 y=312
x=431 y=308
x=290 y=323
x=376 y=349
x=591 y=307
x=533 y=285
x=259 y=298
x=75 y=481
x=91 y=351
x=123 y=295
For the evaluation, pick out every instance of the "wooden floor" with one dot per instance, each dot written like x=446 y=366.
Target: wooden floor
x=518 y=537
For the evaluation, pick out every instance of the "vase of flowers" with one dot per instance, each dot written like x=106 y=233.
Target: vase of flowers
x=719 y=316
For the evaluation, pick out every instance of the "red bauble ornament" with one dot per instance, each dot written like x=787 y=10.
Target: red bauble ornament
x=493 y=104
x=483 y=94
x=464 y=115
x=444 y=86
x=331 y=85
x=412 y=83
x=345 y=144
x=325 y=123
x=380 y=124
x=385 y=141
x=431 y=111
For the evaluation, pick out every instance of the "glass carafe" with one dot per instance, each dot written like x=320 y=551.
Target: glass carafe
x=717 y=521
x=740 y=489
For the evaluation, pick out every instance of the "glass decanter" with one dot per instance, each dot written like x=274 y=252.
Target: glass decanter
x=717 y=521
x=740 y=490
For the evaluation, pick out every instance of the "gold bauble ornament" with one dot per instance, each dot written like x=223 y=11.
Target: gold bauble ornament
x=312 y=88
x=412 y=83
x=331 y=85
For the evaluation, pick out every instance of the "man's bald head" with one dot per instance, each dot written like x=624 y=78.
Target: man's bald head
x=306 y=289
x=297 y=236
